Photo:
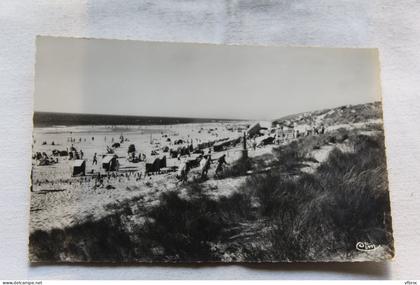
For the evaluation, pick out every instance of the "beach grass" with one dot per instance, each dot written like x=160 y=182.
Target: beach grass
x=283 y=214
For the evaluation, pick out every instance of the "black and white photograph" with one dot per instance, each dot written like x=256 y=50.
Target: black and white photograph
x=188 y=152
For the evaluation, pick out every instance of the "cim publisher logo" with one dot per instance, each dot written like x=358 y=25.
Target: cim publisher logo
x=365 y=246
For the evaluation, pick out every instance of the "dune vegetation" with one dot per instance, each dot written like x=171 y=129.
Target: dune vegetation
x=279 y=213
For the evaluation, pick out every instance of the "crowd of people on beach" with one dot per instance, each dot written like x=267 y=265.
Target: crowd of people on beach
x=204 y=167
x=179 y=149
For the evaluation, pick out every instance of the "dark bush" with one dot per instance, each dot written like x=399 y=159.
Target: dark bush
x=184 y=228
x=100 y=240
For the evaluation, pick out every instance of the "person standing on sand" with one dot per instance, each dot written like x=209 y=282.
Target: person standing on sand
x=254 y=144
x=81 y=154
x=220 y=162
x=203 y=163
x=95 y=160
x=205 y=166
x=183 y=172
x=278 y=134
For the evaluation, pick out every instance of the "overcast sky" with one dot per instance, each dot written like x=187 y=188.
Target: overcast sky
x=199 y=80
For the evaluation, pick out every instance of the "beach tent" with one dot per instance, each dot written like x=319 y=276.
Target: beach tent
x=131 y=148
x=193 y=162
x=257 y=127
x=253 y=129
x=162 y=161
x=265 y=140
x=203 y=145
x=150 y=166
x=173 y=153
x=179 y=141
x=183 y=150
x=110 y=163
x=220 y=146
x=154 y=164
x=79 y=167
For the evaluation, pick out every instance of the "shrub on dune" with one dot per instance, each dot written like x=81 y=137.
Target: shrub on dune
x=346 y=202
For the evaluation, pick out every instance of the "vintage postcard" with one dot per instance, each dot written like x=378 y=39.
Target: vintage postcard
x=178 y=152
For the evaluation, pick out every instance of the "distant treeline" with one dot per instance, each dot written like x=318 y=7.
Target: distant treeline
x=48 y=119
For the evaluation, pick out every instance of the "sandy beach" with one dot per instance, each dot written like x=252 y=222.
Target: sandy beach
x=60 y=200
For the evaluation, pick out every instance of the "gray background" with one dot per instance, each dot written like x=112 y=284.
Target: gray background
x=392 y=26
x=75 y=75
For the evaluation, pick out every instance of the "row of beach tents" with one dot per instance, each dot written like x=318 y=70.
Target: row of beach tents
x=157 y=164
